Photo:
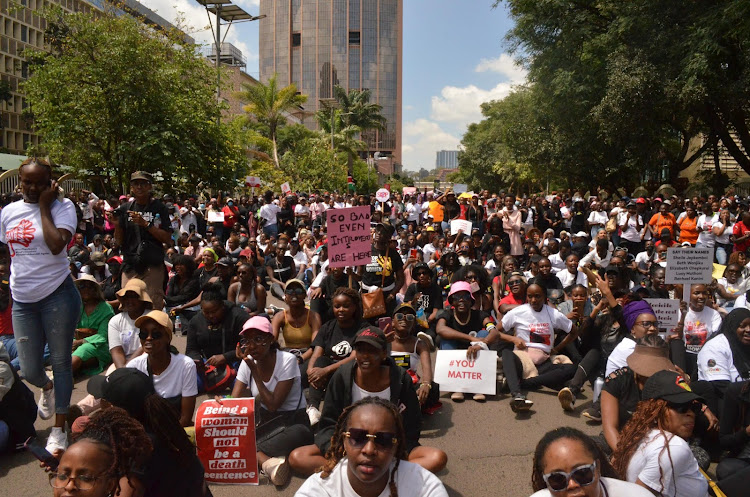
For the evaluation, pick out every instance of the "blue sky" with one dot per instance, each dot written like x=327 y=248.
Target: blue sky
x=453 y=61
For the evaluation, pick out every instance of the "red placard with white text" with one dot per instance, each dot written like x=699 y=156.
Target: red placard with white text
x=225 y=436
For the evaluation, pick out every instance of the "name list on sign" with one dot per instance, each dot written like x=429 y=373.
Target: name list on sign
x=349 y=241
x=689 y=265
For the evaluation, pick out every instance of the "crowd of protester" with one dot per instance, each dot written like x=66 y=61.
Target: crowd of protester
x=557 y=284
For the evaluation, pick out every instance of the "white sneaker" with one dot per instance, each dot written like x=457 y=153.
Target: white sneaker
x=46 y=404
x=426 y=339
x=277 y=470
x=57 y=440
x=314 y=414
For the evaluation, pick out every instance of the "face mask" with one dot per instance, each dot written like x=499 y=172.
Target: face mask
x=230 y=204
x=202 y=206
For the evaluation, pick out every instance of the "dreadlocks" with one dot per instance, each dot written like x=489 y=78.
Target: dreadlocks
x=337 y=451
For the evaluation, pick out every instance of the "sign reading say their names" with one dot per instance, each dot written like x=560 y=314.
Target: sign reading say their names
x=349 y=241
x=225 y=437
x=687 y=265
x=455 y=373
x=667 y=311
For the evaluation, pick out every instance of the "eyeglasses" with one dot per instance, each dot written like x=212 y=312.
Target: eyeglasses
x=257 y=339
x=358 y=438
x=82 y=482
x=684 y=408
x=155 y=335
x=514 y=282
x=295 y=291
x=559 y=480
x=400 y=316
x=624 y=249
x=648 y=324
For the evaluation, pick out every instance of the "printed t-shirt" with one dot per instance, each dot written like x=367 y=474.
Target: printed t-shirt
x=699 y=327
x=536 y=329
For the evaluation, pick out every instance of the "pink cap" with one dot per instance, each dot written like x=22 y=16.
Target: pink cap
x=460 y=286
x=257 y=323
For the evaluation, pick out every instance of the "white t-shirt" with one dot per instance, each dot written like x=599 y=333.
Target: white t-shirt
x=599 y=219
x=619 y=356
x=567 y=278
x=706 y=236
x=699 y=327
x=269 y=212
x=673 y=472
x=122 y=332
x=643 y=260
x=630 y=233
x=301 y=209
x=411 y=480
x=557 y=262
x=188 y=218
x=286 y=368
x=715 y=361
x=35 y=271
x=413 y=210
x=594 y=258
x=724 y=237
x=536 y=329
x=615 y=488
x=178 y=379
x=299 y=258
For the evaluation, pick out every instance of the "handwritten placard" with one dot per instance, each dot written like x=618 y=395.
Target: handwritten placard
x=349 y=242
x=667 y=311
x=462 y=225
x=460 y=187
x=252 y=181
x=687 y=265
x=225 y=437
x=285 y=188
x=455 y=373
x=215 y=217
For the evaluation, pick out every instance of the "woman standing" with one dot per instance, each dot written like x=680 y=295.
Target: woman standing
x=46 y=303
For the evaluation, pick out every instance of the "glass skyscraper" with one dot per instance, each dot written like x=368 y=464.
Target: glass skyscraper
x=356 y=44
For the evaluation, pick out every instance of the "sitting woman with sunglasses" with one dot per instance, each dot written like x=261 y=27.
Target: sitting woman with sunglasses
x=283 y=424
x=173 y=373
x=653 y=450
x=568 y=463
x=297 y=327
x=367 y=456
x=517 y=295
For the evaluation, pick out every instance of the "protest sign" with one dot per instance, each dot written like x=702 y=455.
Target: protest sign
x=382 y=195
x=285 y=188
x=461 y=224
x=455 y=373
x=215 y=217
x=252 y=181
x=225 y=437
x=689 y=266
x=409 y=190
x=460 y=187
x=349 y=242
x=667 y=311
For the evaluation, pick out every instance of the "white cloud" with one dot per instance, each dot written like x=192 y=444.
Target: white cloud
x=421 y=139
x=505 y=65
x=461 y=105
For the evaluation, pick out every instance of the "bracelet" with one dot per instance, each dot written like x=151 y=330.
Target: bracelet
x=425 y=384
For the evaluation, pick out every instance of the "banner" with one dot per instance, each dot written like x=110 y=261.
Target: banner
x=349 y=241
x=252 y=181
x=409 y=190
x=225 y=438
x=461 y=224
x=689 y=265
x=455 y=373
x=460 y=187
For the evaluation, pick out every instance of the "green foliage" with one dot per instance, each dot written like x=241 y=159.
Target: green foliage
x=114 y=96
x=5 y=93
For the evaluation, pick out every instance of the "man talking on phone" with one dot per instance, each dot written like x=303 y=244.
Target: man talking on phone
x=142 y=228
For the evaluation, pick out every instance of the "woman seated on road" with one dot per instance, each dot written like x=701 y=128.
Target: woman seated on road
x=182 y=287
x=368 y=454
x=455 y=325
x=372 y=374
x=281 y=401
x=248 y=293
x=639 y=319
x=517 y=296
x=172 y=373
x=91 y=347
x=568 y=463
x=653 y=450
x=733 y=471
x=321 y=296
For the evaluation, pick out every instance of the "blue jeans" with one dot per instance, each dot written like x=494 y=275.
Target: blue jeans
x=723 y=251
x=4 y=436
x=271 y=230
x=460 y=344
x=10 y=345
x=51 y=320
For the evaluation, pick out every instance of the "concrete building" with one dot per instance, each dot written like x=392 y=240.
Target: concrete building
x=356 y=44
x=21 y=28
x=446 y=159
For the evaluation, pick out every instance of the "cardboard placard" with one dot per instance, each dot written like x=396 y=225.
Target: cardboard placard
x=285 y=188
x=225 y=437
x=667 y=311
x=410 y=190
x=252 y=181
x=460 y=187
x=382 y=195
x=349 y=240
x=215 y=217
x=461 y=224
x=455 y=373
x=689 y=266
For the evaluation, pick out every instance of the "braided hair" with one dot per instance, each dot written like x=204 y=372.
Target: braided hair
x=336 y=451
x=354 y=296
x=121 y=436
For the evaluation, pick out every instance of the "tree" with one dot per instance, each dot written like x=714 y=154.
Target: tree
x=113 y=96
x=268 y=104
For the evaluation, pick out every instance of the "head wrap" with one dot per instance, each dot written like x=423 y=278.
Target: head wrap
x=216 y=257
x=633 y=309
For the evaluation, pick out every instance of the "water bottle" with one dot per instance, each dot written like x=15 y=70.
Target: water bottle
x=177 y=324
x=598 y=385
x=157 y=221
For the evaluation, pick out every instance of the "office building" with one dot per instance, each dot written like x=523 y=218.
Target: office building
x=356 y=44
x=446 y=159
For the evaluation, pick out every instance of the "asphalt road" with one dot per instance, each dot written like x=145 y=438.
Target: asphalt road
x=489 y=447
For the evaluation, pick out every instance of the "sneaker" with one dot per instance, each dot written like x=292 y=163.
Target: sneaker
x=57 y=440
x=566 y=398
x=457 y=397
x=479 y=397
x=314 y=414
x=277 y=470
x=520 y=403
x=46 y=404
x=593 y=414
x=426 y=339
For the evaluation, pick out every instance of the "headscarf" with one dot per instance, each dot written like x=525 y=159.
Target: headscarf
x=216 y=257
x=633 y=309
x=740 y=355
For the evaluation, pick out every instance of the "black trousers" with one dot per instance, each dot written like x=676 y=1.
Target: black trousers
x=550 y=375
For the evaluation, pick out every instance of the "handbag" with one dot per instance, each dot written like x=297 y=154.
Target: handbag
x=266 y=429
x=611 y=225
x=218 y=378
x=373 y=303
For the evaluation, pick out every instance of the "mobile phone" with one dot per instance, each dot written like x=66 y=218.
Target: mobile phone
x=42 y=454
x=474 y=287
x=413 y=254
x=384 y=323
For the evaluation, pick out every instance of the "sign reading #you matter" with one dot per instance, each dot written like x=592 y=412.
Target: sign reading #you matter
x=455 y=373
x=687 y=265
x=349 y=242
x=225 y=437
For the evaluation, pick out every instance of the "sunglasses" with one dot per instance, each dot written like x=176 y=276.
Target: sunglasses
x=295 y=291
x=583 y=475
x=257 y=339
x=684 y=408
x=514 y=282
x=155 y=335
x=461 y=296
x=400 y=316
x=358 y=438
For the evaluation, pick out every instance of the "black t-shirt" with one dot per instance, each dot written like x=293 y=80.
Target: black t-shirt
x=452 y=209
x=284 y=271
x=152 y=253
x=337 y=342
x=329 y=286
x=475 y=321
x=204 y=275
x=621 y=385
x=373 y=274
x=577 y=220
x=432 y=297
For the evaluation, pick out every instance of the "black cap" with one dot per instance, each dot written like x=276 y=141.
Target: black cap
x=669 y=386
x=372 y=336
x=143 y=175
x=389 y=229
x=126 y=388
x=225 y=261
x=612 y=269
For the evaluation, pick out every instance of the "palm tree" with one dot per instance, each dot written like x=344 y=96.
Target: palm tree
x=267 y=103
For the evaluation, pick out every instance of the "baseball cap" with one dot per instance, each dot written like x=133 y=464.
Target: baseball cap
x=405 y=307
x=225 y=261
x=160 y=317
x=640 y=200
x=371 y=336
x=581 y=234
x=669 y=386
x=245 y=253
x=126 y=388
x=141 y=175
x=646 y=361
x=258 y=323
x=630 y=204
x=98 y=258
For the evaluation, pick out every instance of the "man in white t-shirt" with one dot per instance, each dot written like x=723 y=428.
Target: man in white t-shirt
x=268 y=213
x=189 y=218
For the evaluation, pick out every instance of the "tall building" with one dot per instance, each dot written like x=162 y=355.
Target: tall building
x=21 y=28
x=446 y=159
x=356 y=44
